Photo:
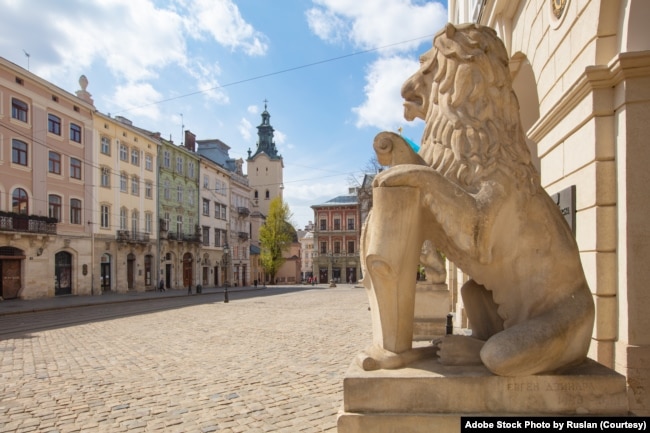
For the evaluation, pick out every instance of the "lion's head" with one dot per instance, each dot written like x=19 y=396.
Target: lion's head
x=464 y=93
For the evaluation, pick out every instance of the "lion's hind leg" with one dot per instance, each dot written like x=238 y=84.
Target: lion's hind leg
x=481 y=310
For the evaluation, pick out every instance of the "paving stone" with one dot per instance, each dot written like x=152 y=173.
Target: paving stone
x=261 y=364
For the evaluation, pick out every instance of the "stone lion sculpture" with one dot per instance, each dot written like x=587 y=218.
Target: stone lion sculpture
x=472 y=191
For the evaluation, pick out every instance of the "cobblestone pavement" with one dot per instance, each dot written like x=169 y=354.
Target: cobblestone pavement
x=260 y=364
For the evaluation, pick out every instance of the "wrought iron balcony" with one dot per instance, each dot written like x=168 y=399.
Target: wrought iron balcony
x=27 y=224
x=243 y=211
x=132 y=237
x=185 y=237
x=243 y=236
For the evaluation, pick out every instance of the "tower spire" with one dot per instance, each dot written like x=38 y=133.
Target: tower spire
x=265 y=142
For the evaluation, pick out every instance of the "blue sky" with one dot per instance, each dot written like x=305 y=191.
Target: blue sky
x=331 y=71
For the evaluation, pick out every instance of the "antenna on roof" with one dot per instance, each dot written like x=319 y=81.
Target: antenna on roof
x=27 y=55
x=182 y=129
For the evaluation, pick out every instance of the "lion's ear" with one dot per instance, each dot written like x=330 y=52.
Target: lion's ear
x=450 y=30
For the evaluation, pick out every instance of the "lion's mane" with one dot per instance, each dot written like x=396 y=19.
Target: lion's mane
x=472 y=124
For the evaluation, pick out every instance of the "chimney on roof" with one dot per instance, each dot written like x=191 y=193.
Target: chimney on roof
x=190 y=140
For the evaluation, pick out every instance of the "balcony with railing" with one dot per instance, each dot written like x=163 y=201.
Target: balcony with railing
x=243 y=211
x=185 y=237
x=133 y=237
x=27 y=223
x=243 y=236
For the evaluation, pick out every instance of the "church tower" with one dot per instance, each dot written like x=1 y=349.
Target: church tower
x=265 y=167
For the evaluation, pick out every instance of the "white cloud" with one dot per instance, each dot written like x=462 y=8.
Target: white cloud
x=383 y=105
x=223 y=21
x=138 y=99
x=378 y=23
x=245 y=129
x=253 y=109
x=207 y=83
x=326 y=25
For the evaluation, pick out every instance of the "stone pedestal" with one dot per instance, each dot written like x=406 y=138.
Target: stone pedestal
x=428 y=396
x=432 y=305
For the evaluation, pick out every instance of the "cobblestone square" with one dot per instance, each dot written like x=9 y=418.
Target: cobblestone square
x=261 y=364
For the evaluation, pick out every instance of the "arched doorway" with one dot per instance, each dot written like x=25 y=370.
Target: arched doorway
x=62 y=273
x=10 y=279
x=187 y=269
x=130 y=270
x=105 y=272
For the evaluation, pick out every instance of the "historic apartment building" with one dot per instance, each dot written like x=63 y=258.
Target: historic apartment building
x=124 y=215
x=178 y=212
x=236 y=244
x=46 y=155
x=336 y=240
x=581 y=72
x=215 y=202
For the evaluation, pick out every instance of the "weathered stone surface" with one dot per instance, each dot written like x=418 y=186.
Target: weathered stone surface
x=474 y=194
x=428 y=396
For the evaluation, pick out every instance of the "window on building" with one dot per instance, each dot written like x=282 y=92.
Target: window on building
x=267 y=195
x=256 y=194
x=179 y=225
x=75 y=211
x=53 y=124
x=135 y=216
x=124 y=214
x=55 y=162
x=135 y=185
x=19 y=110
x=179 y=194
x=124 y=152
x=323 y=224
x=179 y=164
x=148 y=162
x=205 y=232
x=148 y=222
x=337 y=223
x=19 y=152
x=19 y=202
x=217 y=210
x=337 y=247
x=105 y=216
x=105 y=178
x=224 y=214
x=105 y=146
x=190 y=169
x=148 y=189
x=217 y=237
x=124 y=181
x=206 y=207
x=166 y=159
x=206 y=181
x=54 y=206
x=323 y=247
x=75 y=168
x=190 y=196
x=135 y=157
x=351 y=223
x=75 y=133
x=166 y=190
x=350 y=247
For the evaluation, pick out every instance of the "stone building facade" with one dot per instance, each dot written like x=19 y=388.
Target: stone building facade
x=581 y=72
x=178 y=212
x=336 y=240
x=124 y=216
x=46 y=155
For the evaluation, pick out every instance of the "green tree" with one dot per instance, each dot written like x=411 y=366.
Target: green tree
x=276 y=235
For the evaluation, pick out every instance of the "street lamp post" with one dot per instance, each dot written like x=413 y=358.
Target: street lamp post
x=226 y=252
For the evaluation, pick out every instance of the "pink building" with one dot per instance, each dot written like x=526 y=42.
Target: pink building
x=46 y=150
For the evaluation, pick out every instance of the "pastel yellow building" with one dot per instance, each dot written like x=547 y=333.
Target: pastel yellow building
x=124 y=216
